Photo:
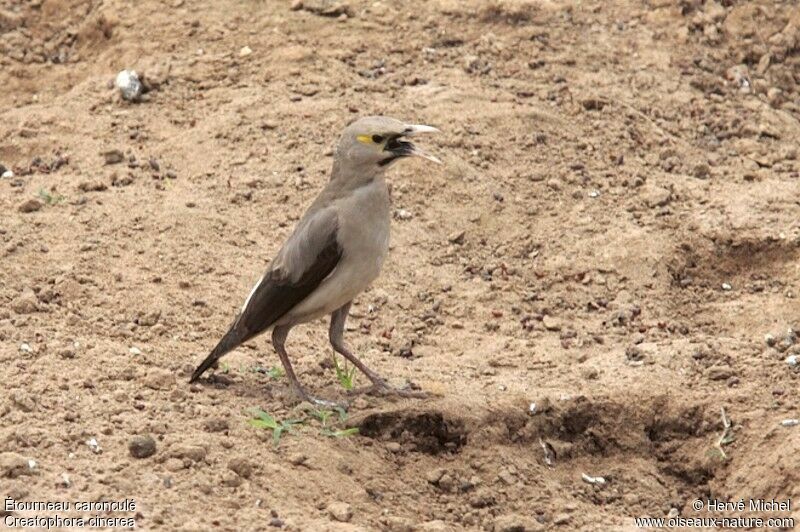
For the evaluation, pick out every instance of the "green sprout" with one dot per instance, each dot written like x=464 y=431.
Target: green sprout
x=345 y=376
x=326 y=430
x=50 y=198
x=262 y=420
x=343 y=433
x=276 y=372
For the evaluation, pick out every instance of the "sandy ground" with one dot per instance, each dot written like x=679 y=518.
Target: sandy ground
x=612 y=236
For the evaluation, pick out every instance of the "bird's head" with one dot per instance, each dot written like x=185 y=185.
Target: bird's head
x=372 y=143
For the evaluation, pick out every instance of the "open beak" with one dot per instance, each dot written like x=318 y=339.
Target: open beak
x=404 y=148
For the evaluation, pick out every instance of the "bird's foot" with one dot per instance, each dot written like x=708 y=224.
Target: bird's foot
x=383 y=388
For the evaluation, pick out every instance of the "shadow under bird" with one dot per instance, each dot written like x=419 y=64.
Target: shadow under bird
x=336 y=250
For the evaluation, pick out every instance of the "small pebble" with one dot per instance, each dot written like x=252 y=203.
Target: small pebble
x=561 y=519
x=113 y=156
x=93 y=446
x=393 y=447
x=726 y=287
x=142 y=446
x=597 y=481
x=129 y=86
x=31 y=205
x=298 y=459
x=340 y=511
x=7 y=174
x=402 y=214
x=790 y=422
x=245 y=51
x=792 y=361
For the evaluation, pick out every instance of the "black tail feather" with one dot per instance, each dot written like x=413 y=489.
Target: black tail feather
x=229 y=342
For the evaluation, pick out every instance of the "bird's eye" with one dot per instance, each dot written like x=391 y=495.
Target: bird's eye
x=377 y=139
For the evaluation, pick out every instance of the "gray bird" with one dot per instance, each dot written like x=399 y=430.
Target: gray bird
x=334 y=253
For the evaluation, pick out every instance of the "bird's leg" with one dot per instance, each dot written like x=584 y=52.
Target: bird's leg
x=279 y=335
x=379 y=384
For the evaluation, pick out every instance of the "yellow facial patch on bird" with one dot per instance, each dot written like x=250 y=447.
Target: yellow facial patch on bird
x=371 y=139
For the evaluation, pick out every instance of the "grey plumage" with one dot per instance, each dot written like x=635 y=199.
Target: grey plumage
x=336 y=250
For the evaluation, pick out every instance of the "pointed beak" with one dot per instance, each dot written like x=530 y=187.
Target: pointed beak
x=416 y=129
x=406 y=149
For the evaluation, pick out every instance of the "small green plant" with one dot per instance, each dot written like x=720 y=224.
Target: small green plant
x=50 y=198
x=224 y=367
x=276 y=372
x=324 y=417
x=345 y=376
x=342 y=433
x=262 y=420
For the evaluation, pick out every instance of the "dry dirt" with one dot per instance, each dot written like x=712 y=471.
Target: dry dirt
x=614 y=232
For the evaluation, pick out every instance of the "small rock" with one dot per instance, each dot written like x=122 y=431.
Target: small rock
x=561 y=519
x=129 y=85
x=402 y=214
x=142 y=446
x=231 y=479
x=245 y=51
x=701 y=171
x=113 y=156
x=719 y=373
x=593 y=104
x=434 y=475
x=596 y=481
x=775 y=96
x=551 y=324
x=656 y=196
x=195 y=453
x=297 y=5
x=447 y=482
x=516 y=523
x=792 y=361
x=25 y=303
x=31 y=205
x=506 y=477
x=727 y=287
x=298 y=459
x=398 y=524
x=457 y=237
x=173 y=464
x=554 y=184
x=471 y=63
x=393 y=447
x=92 y=186
x=340 y=511
x=94 y=446
x=216 y=425
x=241 y=467
x=158 y=379
x=770 y=339
x=790 y=422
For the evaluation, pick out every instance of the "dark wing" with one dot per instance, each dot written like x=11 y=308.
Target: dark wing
x=307 y=257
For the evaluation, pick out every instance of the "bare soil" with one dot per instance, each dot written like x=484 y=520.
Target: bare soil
x=612 y=235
